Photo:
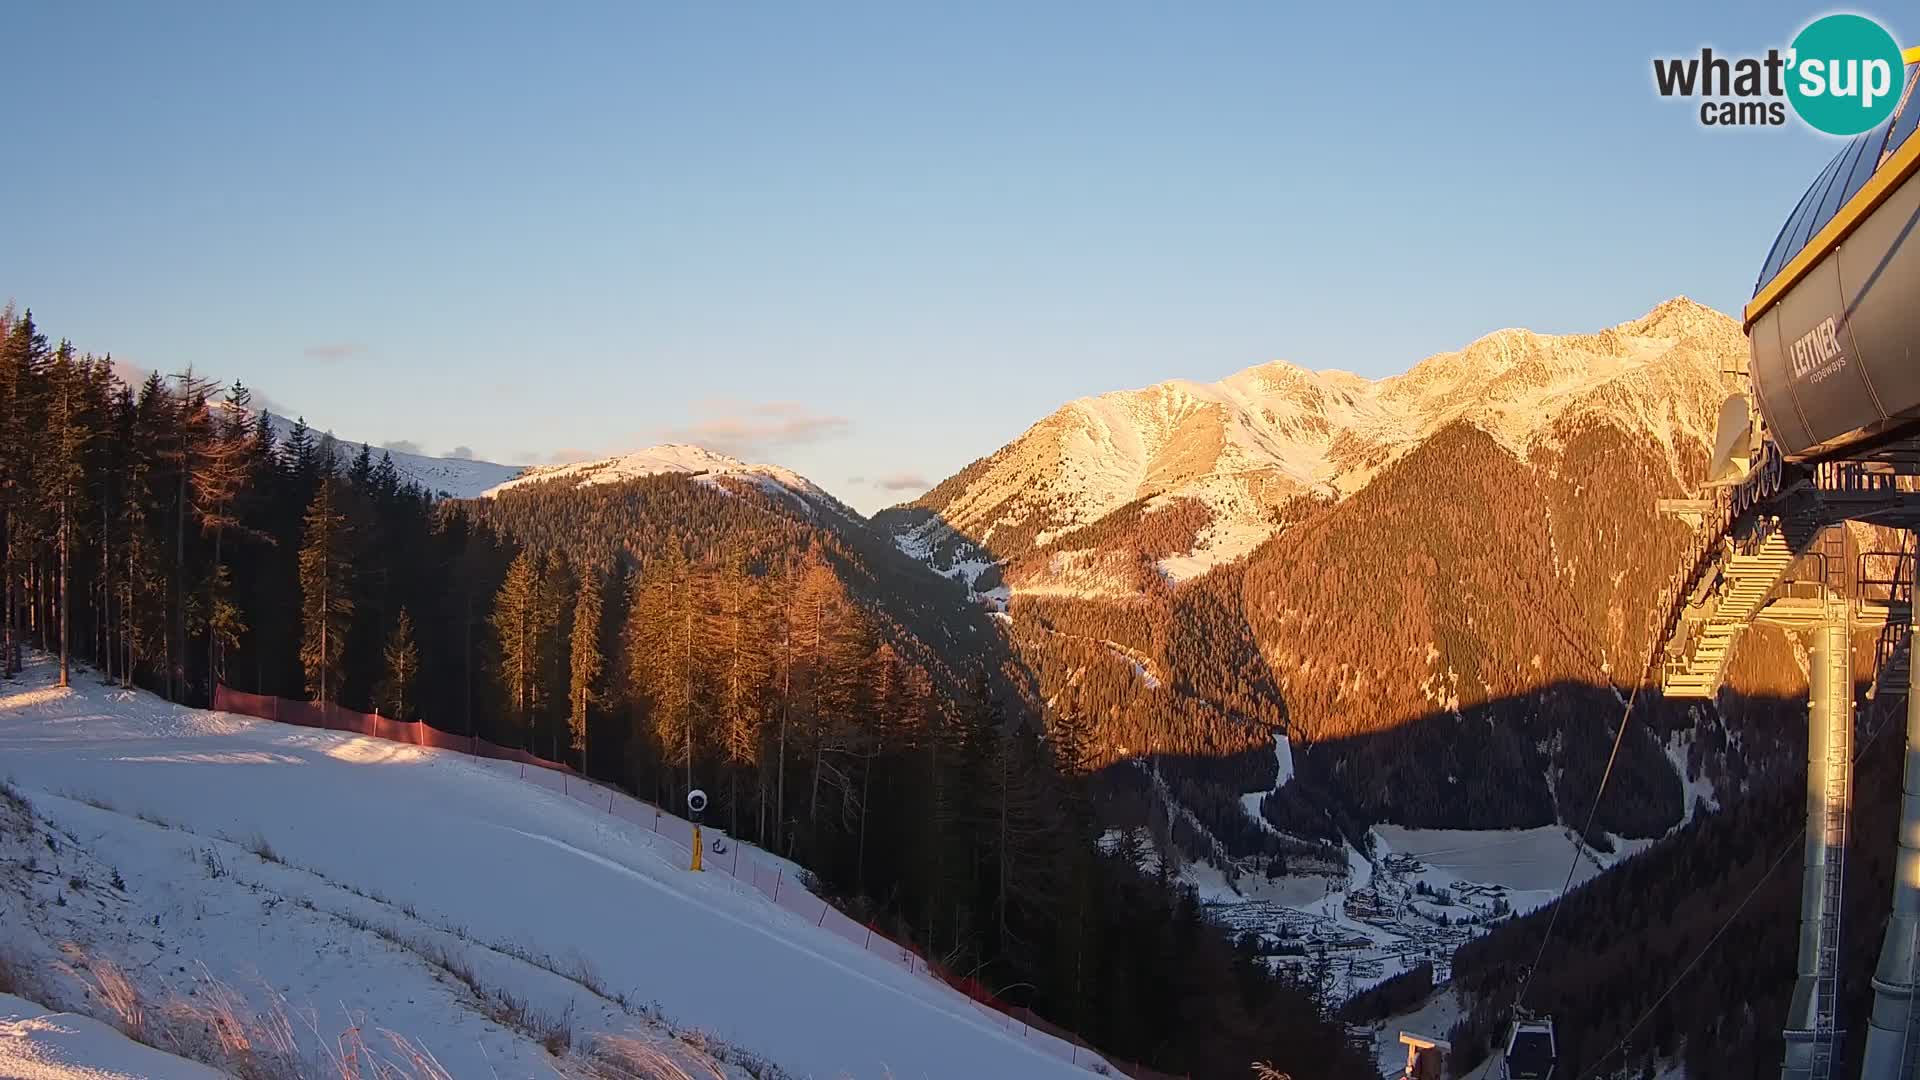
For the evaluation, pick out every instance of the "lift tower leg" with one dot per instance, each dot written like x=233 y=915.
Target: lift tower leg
x=1890 y=1051
x=1811 y=1034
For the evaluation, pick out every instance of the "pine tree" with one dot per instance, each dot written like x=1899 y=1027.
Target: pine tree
x=145 y=618
x=64 y=475
x=403 y=667
x=23 y=357
x=326 y=602
x=553 y=614
x=586 y=660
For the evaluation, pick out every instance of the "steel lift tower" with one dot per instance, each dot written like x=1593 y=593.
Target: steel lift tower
x=1824 y=435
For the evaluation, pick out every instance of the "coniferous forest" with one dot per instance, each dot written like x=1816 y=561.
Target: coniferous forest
x=841 y=705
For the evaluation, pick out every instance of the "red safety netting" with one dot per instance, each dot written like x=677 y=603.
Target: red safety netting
x=747 y=866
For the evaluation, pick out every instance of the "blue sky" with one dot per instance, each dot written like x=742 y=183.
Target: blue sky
x=871 y=242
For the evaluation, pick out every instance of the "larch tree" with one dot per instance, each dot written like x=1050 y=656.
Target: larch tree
x=739 y=627
x=826 y=657
x=224 y=465
x=516 y=620
x=326 y=601
x=658 y=654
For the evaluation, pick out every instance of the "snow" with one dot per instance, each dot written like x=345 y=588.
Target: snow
x=540 y=894
x=1434 y=1017
x=1225 y=540
x=678 y=459
x=1283 y=759
x=1245 y=444
x=1697 y=790
x=39 y=1044
x=1531 y=863
x=448 y=477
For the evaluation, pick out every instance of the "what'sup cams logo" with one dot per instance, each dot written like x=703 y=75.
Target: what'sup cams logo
x=1843 y=75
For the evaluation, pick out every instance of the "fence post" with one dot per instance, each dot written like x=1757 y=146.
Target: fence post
x=823 y=914
x=776 y=886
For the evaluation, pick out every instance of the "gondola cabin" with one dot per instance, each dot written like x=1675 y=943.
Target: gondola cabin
x=1531 y=1051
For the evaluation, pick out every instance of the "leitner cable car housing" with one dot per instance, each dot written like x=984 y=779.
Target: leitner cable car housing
x=1835 y=317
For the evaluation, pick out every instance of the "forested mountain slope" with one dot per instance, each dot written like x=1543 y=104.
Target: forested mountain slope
x=846 y=706
x=1443 y=580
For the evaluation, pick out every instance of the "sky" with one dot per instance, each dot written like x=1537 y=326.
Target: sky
x=871 y=242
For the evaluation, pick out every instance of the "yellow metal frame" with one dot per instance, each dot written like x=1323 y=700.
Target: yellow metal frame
x=1878 y=190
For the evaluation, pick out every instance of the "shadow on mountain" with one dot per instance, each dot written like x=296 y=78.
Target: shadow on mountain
x=1174 y=676
x=1623 y=941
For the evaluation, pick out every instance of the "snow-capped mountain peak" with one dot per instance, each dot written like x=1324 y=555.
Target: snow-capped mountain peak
x=1244 y=446
x=675 y=458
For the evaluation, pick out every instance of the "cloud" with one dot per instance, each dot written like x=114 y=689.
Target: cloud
x=129 y=372
x=901 y=481
x=569 y=455
x=750 y=429
x=404 y=446
x=135 y=376
x=332 y=352
x=464 y=453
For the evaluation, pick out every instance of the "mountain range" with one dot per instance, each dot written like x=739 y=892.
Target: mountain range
x=1365 y=564
x=1241 y=451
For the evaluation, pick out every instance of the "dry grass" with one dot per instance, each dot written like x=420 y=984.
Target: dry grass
x=264 y=850
x=106 y=983
x=17 y=978
x=217 y=1026
x=623 y=1057
x=11 y=798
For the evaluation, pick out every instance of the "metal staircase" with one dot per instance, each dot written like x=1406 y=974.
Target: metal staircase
x=1720 y=610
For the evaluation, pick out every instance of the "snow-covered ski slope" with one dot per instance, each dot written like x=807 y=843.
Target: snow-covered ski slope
x=470 y=848
x=38 y=1044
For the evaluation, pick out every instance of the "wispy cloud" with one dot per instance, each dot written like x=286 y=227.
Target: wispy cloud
x=752 y=429
x=901 y=481
x=332 y=352
x=464 y=453
x=403 y=446
x=569 y=454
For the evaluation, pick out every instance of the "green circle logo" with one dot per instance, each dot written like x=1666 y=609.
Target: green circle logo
x=1845 y=74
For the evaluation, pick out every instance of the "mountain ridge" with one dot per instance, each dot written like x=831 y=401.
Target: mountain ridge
x=1244 y=446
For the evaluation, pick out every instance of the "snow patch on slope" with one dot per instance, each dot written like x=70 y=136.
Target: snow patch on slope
x=1283 y=759
x=447 y=477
